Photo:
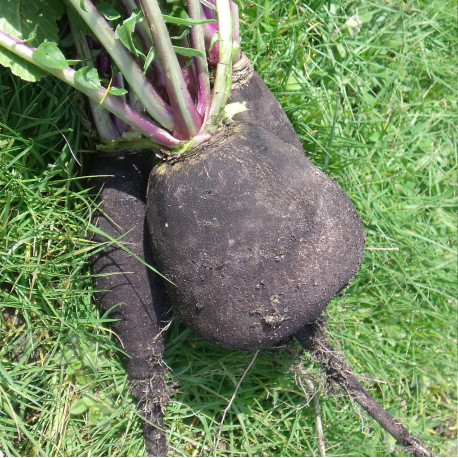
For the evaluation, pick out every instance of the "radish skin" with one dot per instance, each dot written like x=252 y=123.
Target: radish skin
x=263 y=108
x=127 y=289
x=256 y=239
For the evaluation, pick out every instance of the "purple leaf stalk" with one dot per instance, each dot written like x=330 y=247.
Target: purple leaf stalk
x=152 y=89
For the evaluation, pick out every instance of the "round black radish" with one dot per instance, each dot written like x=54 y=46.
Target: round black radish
x=255 y=238
x=263 y=108
x=132 y=293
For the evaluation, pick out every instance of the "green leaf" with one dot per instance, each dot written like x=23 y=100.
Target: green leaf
x=20 y=67
x=124 y=32
x=74 y=367
x=184 y=34
x=110 y=13
x=213 y=41
x=341 y=50
x=32 y=21
x=82 y=405
x=293 y=83
x=149 y=59
x=97 y=413
x=49 y=55
x=118 y=91
x=88 y=77
x=82 y=377
x=187 y=52
x=232 y=109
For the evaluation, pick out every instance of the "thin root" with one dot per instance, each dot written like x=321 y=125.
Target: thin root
x=314 y=339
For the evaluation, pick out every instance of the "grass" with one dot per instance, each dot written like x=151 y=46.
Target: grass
x=376 y=108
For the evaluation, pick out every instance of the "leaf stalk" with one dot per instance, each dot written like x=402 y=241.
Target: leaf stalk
x=105 y=126
x=223 y=77
x=200 y=62
x=113 y=104
x=151 y=100
x=187 y=119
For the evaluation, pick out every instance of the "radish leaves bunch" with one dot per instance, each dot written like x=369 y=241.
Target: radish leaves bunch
x=148 y=67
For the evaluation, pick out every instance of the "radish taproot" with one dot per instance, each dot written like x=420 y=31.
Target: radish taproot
x=263 y=108
x=126 y=288
x=255 y=240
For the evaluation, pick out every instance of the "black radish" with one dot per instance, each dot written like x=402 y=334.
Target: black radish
x=255 y=239
x=126 y=288
x=263 y=108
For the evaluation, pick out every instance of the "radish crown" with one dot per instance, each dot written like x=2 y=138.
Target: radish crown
x=147 y=70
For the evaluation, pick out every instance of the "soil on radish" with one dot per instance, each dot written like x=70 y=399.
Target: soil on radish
x=255 y=238
x=129 y=290
x=263 y=108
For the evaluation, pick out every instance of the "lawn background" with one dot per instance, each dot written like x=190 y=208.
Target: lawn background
x=374 y=101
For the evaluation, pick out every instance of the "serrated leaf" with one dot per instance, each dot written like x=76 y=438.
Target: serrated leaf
x=187 y=52
x=124 y=32
x=88 y=77
x=49 y=55
x=33 y=21
x=20 y=67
